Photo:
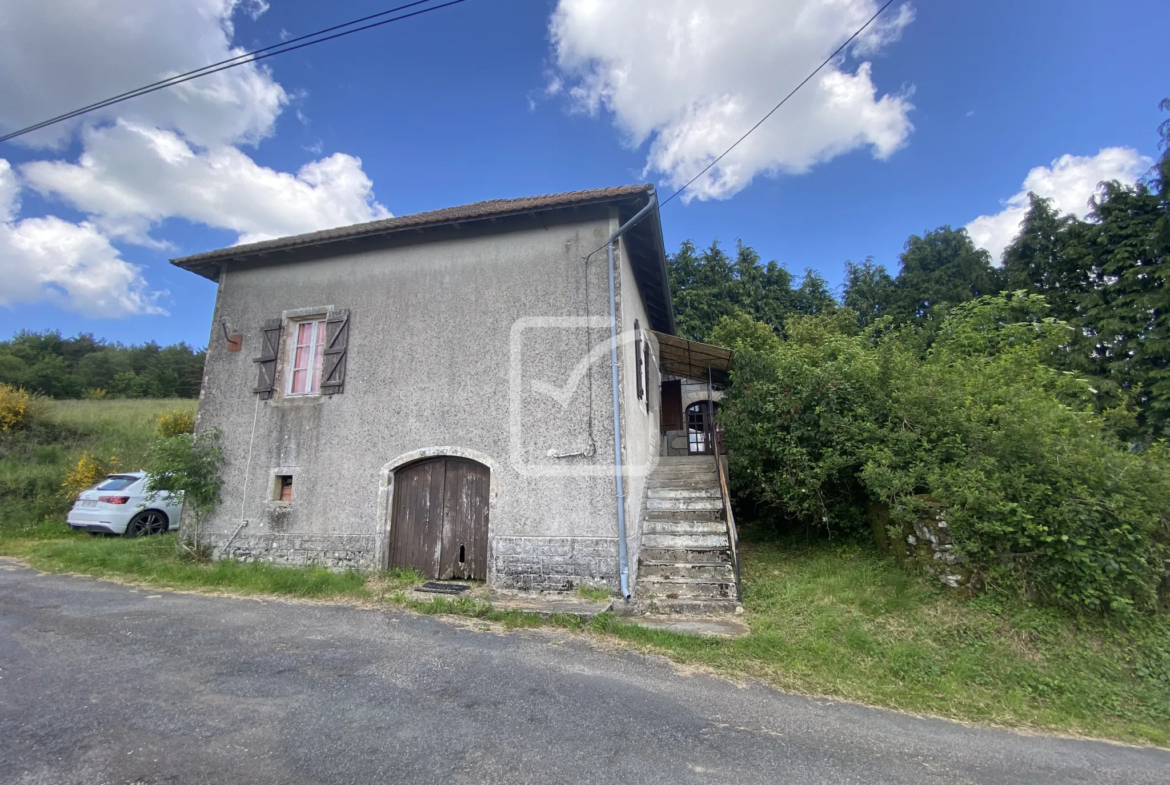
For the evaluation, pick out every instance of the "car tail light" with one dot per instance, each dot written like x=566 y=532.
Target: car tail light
x=114 y=499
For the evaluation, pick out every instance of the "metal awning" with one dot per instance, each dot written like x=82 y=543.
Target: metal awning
x=691 y=359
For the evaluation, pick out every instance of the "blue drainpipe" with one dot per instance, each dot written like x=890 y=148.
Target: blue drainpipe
x=623 y=555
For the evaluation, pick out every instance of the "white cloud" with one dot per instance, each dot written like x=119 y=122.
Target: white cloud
x=9 y=192
x=173 y=154
x=54 y=60
x=1069 y=182
x=130 y=177
x=691 y=76
x=255 y=8
x=70 y=265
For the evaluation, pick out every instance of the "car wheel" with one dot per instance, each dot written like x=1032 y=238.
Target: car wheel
x=146 y=523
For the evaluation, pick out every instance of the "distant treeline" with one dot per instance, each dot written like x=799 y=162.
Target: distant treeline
x=86 y=367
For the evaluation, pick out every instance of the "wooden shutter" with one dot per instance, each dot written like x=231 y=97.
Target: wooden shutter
x=646 y=367
x=639 y=363
x=266 y=362
x=336 y=349
x=672 y=415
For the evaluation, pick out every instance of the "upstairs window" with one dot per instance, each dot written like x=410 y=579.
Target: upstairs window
x=308 y=347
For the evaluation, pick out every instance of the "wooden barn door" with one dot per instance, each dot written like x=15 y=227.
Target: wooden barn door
x=440 y=518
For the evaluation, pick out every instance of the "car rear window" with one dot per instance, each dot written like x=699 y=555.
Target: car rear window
x=117 y=482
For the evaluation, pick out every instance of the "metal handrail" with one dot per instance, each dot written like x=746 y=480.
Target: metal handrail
x=732 y=533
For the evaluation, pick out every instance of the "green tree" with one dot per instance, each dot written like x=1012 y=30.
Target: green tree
x=1127 y=312
x=1050 y=257
x=813 y=296
x=99 y=369
x=190 y=463
x=702 y=287
x=51 y=376
x=869 y=291
x=709 y=286
x=942 y=268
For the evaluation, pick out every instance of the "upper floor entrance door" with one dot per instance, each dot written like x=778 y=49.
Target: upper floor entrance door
x=700 y=427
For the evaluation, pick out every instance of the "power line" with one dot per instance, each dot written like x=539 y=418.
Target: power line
x=248 y=57
x=198 y=71
x=764 y=119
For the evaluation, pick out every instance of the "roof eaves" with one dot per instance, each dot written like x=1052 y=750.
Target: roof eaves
x=418 y=221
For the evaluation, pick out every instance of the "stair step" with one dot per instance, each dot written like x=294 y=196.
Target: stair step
x=683 y=515
x=710 y=607
x=685 y=493
x=684 y=527
x=684 y=541
x=683 y=471
x=685 y=588
x=684 y=485
x=717 y=554
x=684 y=504
x=716 y=571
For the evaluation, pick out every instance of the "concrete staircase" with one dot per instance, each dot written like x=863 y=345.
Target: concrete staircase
x=685 y=562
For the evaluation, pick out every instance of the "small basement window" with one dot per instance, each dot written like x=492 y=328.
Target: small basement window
x=283 y=488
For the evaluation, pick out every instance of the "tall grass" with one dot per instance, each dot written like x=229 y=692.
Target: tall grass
x=156 y=561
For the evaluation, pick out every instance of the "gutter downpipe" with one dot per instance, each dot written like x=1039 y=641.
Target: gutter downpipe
x=623 y=555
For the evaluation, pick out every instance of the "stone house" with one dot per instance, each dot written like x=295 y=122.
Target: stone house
x=440 y=391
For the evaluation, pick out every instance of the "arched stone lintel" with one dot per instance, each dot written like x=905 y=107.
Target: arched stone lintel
x=701 y=395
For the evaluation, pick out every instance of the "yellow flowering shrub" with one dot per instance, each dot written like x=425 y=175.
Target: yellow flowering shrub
x=15 y=407
x=86 y=473
x=175 y=422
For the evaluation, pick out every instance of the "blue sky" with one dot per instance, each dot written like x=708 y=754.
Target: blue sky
x=456 y=106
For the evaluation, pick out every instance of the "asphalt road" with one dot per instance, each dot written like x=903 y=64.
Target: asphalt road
x=101 y=683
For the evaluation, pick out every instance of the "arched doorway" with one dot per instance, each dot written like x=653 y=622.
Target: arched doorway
x=439 y=523
x=700 y=426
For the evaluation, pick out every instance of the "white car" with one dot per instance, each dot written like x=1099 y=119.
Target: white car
x=120 y=504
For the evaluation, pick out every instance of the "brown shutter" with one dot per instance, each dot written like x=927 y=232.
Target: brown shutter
x=266 y=362
x=638 y=361
x=672 y=416
x=646 y=365
x=336 y=349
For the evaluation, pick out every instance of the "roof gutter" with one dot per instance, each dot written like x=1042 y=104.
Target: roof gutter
x=623 y=553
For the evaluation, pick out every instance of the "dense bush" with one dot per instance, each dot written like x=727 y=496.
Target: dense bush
x=175 y=422
x=15 y=405
x=1040 y=493
x=190 y=463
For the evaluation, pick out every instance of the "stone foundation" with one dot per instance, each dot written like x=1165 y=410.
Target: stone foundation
x=337 y=551
x=524 y=563
x=553 y=563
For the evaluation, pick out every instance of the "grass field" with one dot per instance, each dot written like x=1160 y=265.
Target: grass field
x=836 y=620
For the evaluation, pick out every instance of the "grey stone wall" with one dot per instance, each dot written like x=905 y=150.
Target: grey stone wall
x=923 y=544
x=336 y=551
x=554 y=563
